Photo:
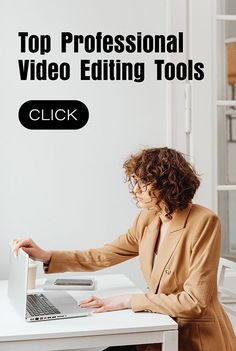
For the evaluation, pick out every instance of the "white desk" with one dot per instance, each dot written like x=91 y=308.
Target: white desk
x=97 y=330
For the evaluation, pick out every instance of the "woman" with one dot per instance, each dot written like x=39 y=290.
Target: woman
x=179 y=247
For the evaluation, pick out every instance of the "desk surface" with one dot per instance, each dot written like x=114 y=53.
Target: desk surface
x=13 y=328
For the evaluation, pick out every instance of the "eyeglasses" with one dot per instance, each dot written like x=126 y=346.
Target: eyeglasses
x=134 y=182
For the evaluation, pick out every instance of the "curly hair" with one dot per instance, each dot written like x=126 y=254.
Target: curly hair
x=167 y=171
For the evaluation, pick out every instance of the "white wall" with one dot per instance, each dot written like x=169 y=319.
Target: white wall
x=64 y=188
x=198 y=20
x=202 y=46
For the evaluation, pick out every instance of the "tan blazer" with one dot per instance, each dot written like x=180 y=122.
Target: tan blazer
x=182 y=283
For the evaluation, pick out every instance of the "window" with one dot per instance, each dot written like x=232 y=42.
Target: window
x=226 y=124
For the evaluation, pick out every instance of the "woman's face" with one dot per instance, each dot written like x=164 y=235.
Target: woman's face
x=142 y=193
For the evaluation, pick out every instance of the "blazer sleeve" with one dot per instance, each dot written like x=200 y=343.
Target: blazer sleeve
x=123 y=248
x=200 y=284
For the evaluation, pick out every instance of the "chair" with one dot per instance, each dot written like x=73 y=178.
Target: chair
x=227 y=296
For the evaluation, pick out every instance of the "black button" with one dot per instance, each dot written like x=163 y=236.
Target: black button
x=53 y=114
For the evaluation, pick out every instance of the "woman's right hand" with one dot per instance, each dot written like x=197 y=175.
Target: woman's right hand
x=32 y=249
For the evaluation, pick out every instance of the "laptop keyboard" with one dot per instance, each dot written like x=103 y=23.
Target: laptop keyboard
x=39 y=305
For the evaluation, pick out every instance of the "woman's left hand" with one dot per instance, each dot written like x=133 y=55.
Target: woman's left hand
x=107 y=304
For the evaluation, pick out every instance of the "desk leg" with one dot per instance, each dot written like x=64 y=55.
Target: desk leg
x=170 y=341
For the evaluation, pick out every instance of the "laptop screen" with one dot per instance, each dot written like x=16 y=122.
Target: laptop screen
x=17 y=281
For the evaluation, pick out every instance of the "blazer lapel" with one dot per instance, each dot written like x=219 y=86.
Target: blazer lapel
x=168 y=246
x=148 y=245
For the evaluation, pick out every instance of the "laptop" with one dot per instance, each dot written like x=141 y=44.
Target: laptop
x=38 y=306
